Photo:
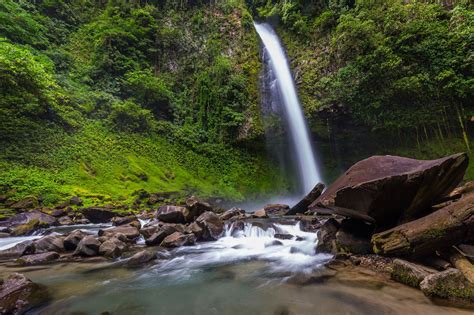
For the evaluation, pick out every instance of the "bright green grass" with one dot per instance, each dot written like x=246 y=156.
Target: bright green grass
x=103 y=166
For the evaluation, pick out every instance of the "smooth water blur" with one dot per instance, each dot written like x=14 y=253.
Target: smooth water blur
x=308 y=171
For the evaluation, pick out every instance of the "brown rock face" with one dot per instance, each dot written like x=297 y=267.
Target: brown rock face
x=18 y=294
x=178 y=239
x=393 y=189
x=172 y=214
x=129 y=231
x=98 y=214
x=211 y=224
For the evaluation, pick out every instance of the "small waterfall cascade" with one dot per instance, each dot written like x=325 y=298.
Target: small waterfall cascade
x=282 y=93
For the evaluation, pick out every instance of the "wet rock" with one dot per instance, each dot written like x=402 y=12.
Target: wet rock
x=212 y=225
x=449 y=284
x=160 y=234
x=448 y=226
x=195 y=208
x=58 y=213
x=234 y=212
x=88 y=246
x=71 y=241
x=303 y=204
x=26 y=203
x=98 y=214
x=260 y=214
x=409 y=273
x=65 y=221
x=178 y=239
x=131 y=220
x=82 y=221
x=327 y=237
x=20 y=249
x=18 y=294
x=172 y=214
x=112 y=248
x=38 y=259
x=310 y=224
x=27 y=222
x=276 y=209
x=196 y=229
x=393 y=189
x=130 y=232
x=50 y=243
x=283 y=236
x=140 y=258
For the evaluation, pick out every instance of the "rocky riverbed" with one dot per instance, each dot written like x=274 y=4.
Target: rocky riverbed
x=389 y=230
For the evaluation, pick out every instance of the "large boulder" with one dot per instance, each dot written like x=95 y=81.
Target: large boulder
x=212 y=225
x=112 y=248
x=20 y=249
x=88 y=246
x=71 y=241
x=98 y=214
x=50 y=243
x=160 y=234
x=130 y=220
x=178 y=239
x=140 y=258
x=195 y=207
x=18 y=294
x=129 y=231
x=172 y=214
x=393 y=189
x=234 y=212
x=27 y=222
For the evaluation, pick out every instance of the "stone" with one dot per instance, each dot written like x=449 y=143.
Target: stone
x=449 y=284
x=131 y=232
x=71 y=241
x=98 y=214
x=116 y=221
x=212 y=225
x=196 y=229
x=327 y=237
x=20 y=249
x=172 y=214
x=27 y=222
x=195 y=207
x=276 y=209
x=273 y=243
x=303 y=204
x=310 y=224
x=26 y=203
x=49 y=243
x=88 y=246
x=18 y=294
x=178 y=239
x=65 y=221
x=393 y=189
x=260 y=214
x=441 y=229
x=409 y=273
x=38 y=259
x=140 y=258
x=111 y=248
x=233 y=212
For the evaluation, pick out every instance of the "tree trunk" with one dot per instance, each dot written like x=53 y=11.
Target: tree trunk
x=302 y=206
x=448 y=226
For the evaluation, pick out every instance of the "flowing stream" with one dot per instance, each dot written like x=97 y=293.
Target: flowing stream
x=285 y=95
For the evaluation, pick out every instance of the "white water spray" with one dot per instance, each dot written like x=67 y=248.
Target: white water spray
x=307 y=168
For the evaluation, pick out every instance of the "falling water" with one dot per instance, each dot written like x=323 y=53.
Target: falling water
x=308 y=173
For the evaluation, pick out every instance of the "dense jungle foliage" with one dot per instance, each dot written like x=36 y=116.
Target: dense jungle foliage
x=102 y=98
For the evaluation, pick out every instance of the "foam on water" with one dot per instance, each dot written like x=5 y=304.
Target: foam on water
x=251 y=243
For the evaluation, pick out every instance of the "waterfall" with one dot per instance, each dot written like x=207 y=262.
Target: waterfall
x=285 y=95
